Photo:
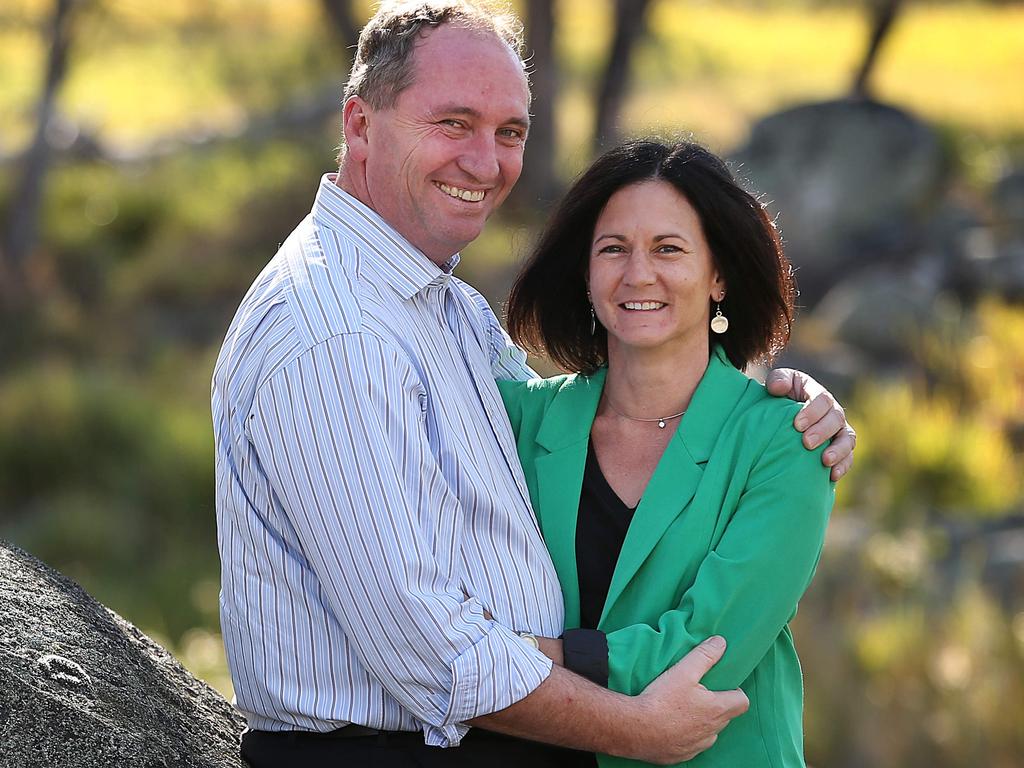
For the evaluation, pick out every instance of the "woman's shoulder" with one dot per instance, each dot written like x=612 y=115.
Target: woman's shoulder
x=766 y=420
x=533 y=396
x=536 y=388
x=758 y=403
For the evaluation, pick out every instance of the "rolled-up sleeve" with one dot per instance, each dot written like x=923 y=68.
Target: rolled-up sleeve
x=342 y=437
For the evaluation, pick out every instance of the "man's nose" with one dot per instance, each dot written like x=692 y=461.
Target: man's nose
x=480 y=158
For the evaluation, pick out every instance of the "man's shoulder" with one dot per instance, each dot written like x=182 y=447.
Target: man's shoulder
x=319 y=280
x=300 y=299
x=479 y=304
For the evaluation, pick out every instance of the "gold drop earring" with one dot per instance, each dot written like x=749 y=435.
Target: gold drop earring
x=719 y=323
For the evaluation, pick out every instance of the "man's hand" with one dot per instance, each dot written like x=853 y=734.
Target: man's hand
x=821 y=418
x=685 y=717
x=673 y=719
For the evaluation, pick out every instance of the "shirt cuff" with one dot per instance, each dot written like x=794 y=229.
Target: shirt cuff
x=585 y=652
x=495 y=673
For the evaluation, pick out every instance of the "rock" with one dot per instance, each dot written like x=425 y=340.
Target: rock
x=1008 y=201
x=81 y=687
x=883 y=313
x=852 y=182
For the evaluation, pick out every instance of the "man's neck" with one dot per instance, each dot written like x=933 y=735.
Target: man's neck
x=353 y=183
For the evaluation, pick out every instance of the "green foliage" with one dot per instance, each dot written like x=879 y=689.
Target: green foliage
x=103 y=480
x=912 y=635
x=948 y=443
x=921 y=678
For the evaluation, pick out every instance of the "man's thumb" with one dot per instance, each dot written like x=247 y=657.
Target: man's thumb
x=704 y=657
x=779 y=381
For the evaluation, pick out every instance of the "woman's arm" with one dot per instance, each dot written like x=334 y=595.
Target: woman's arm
x=748 y=587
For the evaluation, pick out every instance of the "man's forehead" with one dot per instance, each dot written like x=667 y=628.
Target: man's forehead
x=470 y=68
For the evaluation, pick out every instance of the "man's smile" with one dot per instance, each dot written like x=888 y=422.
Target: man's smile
x=469 y=195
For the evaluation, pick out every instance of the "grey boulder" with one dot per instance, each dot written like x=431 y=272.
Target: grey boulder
x=82 y=687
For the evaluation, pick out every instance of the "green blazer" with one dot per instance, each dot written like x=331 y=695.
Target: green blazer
x=725 y=541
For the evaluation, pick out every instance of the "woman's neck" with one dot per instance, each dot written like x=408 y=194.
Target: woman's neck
x=653 y=384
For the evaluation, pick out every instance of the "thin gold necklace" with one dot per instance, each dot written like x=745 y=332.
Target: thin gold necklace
x=661 y=421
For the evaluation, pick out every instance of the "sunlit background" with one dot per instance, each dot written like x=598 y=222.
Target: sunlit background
x=153 y=155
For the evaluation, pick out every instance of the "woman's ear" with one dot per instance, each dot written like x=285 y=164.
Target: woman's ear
x=718 y=288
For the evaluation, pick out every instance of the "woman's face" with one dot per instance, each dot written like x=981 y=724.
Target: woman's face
x=651 y=272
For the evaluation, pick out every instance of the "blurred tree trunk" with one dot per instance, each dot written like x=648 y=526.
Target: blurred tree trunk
x=539 y=184
x=21 y=229
x=883 y=13
x=343 y=23
x=630 y=23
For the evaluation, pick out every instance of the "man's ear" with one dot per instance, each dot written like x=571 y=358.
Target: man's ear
x=355 y=123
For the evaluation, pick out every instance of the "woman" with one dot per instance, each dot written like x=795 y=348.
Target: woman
x=674 y=494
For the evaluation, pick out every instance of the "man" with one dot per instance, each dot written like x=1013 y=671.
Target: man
x=384 y=580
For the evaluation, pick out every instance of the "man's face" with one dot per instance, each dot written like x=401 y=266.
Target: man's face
x=449 y=151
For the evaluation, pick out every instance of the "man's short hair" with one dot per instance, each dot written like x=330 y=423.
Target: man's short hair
x=382 y=67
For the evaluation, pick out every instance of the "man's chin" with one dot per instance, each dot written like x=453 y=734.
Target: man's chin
x=463 y=233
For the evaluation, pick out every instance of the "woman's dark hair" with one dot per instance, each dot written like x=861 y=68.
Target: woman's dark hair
x=548 y=309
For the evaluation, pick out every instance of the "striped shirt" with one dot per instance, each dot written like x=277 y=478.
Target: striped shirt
x=370 y=502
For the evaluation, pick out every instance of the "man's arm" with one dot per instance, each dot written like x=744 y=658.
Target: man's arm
x=341 y=437
x=673 y=720
x=821 y=419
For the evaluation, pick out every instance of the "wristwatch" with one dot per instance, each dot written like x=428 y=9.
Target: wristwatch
x=530 y=639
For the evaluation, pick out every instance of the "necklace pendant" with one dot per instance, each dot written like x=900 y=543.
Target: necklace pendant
x=661 y=423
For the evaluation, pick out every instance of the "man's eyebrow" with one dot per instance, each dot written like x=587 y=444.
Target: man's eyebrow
x=459 y=109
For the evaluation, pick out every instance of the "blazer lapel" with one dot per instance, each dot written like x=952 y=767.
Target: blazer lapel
x=565 y=433
x=678 y=474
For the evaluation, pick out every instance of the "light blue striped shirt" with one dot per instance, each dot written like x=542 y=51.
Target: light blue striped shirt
x=370 y=502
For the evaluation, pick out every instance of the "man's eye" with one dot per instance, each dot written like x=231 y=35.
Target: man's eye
x=513 y=134
x=453 y=123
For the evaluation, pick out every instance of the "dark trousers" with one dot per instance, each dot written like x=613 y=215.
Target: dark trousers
x=298 y=749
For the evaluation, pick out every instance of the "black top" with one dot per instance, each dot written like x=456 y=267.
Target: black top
x=601 y=527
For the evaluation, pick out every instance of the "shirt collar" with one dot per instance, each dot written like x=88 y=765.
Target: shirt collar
x=391 y=258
